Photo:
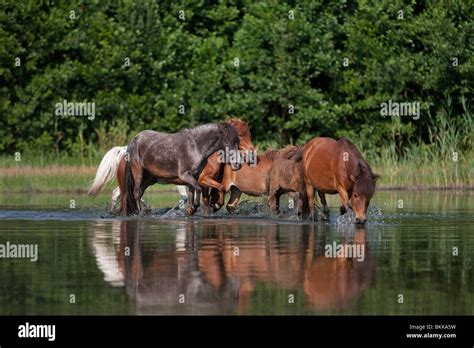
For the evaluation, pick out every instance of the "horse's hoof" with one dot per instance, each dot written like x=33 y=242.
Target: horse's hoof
x=191 y=211
x=216 y=207
x=230 y=208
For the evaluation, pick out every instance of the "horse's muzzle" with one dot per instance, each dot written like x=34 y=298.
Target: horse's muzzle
x=360 y=221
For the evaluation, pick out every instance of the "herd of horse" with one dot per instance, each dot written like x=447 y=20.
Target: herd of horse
x=193 y=158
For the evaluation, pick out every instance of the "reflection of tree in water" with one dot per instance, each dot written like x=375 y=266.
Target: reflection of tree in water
x=217 y=265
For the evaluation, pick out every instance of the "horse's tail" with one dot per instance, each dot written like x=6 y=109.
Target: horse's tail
x=107 y=169
x=130 y=203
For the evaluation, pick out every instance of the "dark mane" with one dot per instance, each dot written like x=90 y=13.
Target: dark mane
x=288 y=152
x=365 y=178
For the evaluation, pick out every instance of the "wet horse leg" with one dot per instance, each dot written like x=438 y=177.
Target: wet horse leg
x=273 y=199
x=205 y=199
x=344 y=199
x=311 y=201
x=300 y=205
x=137 y=173
x=234 y=199
x=194 y=199
x=206 y=183
x=191 y=209
x=325 y=215
x=226 y=184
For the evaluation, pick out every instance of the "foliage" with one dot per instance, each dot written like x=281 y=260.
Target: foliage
x=333 y=62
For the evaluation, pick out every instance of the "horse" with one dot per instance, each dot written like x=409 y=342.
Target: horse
x=212 y=172
x=109 y=168
x=284 y=176
x=112 y=165
x=251 y=178
x=174 y=158
x=337 y=167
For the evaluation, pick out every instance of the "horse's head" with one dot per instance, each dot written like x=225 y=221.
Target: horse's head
x=364 y=188
x=243 y=131
x=231 y=143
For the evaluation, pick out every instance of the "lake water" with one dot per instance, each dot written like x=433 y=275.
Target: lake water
x=414 y=256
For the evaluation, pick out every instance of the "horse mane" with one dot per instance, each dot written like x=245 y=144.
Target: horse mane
x=234 y=119
x=293 y=152
x=365 y=177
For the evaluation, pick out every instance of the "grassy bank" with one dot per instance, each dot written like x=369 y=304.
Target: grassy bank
x=33 y=174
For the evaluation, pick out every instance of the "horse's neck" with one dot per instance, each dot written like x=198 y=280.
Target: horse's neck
x=201 y=139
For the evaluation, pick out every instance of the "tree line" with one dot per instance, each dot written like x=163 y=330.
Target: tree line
x=292 y=69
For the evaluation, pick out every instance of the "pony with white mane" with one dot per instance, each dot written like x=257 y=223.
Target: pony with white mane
x=107 y=171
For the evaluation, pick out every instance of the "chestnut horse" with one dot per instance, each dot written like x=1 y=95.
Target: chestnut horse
x=250 y=179
x=174 y=158
x=284 y=176
x=212 y=172
x=337 y=167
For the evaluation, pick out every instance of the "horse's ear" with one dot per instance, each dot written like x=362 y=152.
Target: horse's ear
x=352 y=177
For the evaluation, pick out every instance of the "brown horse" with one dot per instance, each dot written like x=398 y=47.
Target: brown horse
x=250 y=179
x=337 y=167
x=213 y=170
x=284 y=176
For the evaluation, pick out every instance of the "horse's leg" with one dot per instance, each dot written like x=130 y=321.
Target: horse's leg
x=189 y=178
x=311 y=201
x=234 y=199
x=277 y=200
x=208 y=182
x=115 y=198
x=322 y=196
x=300 y=204
x=214 y=194
x=182 y=193
x=205 y=199
x=137 y=173
x=344 y=199
x=226 y=184
x=272 y=199
x=191 y=209
x=343 y=210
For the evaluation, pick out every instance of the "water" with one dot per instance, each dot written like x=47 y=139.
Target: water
x=415 y=257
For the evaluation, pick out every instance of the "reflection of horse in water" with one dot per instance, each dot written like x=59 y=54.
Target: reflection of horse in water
x=336 y=283
x=214 y=268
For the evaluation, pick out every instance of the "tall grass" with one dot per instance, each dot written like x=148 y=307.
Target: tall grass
x=446 y=161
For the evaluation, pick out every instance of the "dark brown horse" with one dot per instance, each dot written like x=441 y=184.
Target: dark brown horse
x=176 y=158
x=284 y=176
x=337 y=167
x=250 y=179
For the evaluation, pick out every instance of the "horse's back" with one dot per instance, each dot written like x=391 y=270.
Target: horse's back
x=321 y=164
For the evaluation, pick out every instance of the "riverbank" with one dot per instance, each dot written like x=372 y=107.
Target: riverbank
x=25 y=177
